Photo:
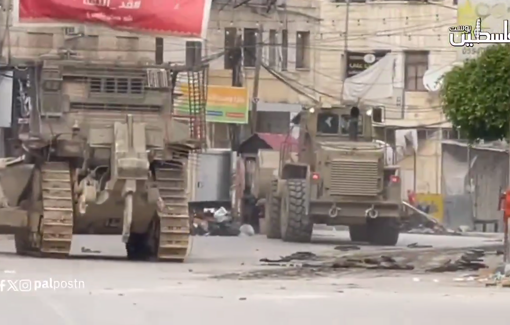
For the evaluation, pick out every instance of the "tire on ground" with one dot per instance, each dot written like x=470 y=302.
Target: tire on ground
x=358 y=233
x=299 y=227
x=383 y=231
x=272 y=214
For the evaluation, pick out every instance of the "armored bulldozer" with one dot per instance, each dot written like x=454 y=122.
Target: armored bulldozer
x=340 y=178
x=104 y=152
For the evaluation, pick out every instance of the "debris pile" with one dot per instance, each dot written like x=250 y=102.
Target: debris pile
x=470 y=261
x=215 y=223
x=416 y=245
x=498 y=277
x=290 y=260
x=372 y=263
x=310 y=260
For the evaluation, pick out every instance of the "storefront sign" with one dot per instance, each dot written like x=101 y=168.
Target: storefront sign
x=360 y=61
x=224 y=104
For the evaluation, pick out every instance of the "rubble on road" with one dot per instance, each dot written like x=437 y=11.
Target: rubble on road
x=298 y=256
x=307 y=259
x=416 y=245
x=292 y=260
x=470 y=261
x=496 y=278
x=309 y=265
x=345 y=248
x=372 y=263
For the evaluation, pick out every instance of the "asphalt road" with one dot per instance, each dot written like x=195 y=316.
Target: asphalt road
x=114 y=291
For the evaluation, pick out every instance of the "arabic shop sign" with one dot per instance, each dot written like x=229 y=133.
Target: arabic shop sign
x=360 y=61
x=184 y=18
x=224 y=104
x=483 y=16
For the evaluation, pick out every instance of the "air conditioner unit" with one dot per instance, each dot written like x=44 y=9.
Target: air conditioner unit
x=378 y=114
x=74 y=31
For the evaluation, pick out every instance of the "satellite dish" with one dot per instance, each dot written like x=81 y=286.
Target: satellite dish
x=433 y=78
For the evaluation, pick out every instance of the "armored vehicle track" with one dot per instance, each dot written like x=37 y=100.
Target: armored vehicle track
x=49 y=229
x=174 y=231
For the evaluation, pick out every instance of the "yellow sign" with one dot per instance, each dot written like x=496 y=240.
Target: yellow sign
x=224 y=104
x=431 y=204
x=492 y=17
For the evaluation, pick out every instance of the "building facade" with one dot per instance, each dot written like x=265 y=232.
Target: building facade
x=288 y=45
x=416 y=32
x=287 y=75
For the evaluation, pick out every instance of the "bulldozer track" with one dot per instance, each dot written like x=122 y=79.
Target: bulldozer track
x=56 y=227
x=49 y=231
x=174 y=231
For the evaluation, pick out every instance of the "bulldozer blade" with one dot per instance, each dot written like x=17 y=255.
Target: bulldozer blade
x=14 y=181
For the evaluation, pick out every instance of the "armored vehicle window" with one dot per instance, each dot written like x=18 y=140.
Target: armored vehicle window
x=95 y=85
x=344 y=124
x=110 y=85
x=116 y=85
x=327 y=123
x=136 y=86
x=122 y=86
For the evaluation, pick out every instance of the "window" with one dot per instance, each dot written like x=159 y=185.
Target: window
x=302 y=50
x=116 y=86
x=451 y=134
x=159 y=50
x=40 y=40
x=285 y=49
x=51 y=85
x=193 y=53
x=127 y=43
x=273 y=122
x=250 y=46
x=272 y=47
x=87 y=43
x=416 y=63
x=344 y=124
x=229 y=46
x=327 y=123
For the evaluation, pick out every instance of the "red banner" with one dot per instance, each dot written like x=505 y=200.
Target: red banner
x=185 y=18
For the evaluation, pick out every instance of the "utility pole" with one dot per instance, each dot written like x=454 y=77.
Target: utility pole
x=346 y=44
x=237 y=81
x=256 y=81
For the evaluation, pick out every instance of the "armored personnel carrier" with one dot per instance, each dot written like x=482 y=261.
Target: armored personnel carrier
x=104 y=153
x=339 y=178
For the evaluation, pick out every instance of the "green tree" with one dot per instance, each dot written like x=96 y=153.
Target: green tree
x=476 y=96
